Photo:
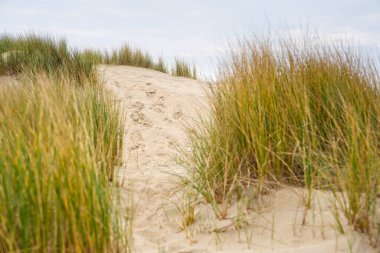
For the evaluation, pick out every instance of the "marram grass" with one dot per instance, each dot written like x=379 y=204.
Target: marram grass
x=60 y=139
x=303 y=113
x=126 y=55
x=42 y=53
x=59 y=142
x=182 y=68
x=34 y=52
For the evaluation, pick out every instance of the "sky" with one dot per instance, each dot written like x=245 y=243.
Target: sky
x=197 y=31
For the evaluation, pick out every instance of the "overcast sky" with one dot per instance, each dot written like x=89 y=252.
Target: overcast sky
x=194 y=29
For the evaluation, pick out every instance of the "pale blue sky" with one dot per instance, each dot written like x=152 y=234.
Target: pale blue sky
x=196 y=30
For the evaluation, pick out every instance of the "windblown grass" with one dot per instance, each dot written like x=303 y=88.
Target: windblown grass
x=59 y=144
x=60 y=139
x=42 y=53
x=182 y=68
x=302 y=113
x=126 y=55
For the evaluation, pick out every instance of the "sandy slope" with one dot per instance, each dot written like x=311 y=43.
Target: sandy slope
x=157 y=107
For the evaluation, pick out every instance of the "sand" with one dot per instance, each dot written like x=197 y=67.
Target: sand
x=157 y=107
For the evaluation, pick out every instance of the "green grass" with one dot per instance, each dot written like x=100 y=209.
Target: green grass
x=59 y=143
x=181 y=68
x=303 y=113
x=42 y=53
x=60 y=139
x=126 y=55
x=34 y=52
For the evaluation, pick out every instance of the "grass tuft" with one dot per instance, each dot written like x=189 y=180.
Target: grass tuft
x=60 y=139
x=33 y=53
x=181 y=68
x=302 y=113
x=59 y=144
x=126 y=55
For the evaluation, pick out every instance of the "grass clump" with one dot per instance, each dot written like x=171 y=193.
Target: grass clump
x=59 y=142
x=301 y=113
x=33 y=53
x=60 y=139
x=181 y=68
x=133 y=57
x=43 y=53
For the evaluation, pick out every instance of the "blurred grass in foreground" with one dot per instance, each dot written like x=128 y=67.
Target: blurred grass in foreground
x=60 y=138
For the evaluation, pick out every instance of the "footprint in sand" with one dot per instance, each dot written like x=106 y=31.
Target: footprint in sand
x=136 y=137
x=139 y=118
x=177 y=113
x=161 y=101
x=157 y=109
x=158 y=105
x=138 y=106
x=116 y=83
x=136 y=140
x=172 y=141
x=151 y=92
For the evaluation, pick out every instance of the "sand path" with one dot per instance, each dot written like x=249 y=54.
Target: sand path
x=157 y=107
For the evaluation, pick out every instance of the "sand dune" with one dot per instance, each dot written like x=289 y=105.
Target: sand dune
x=157 y=108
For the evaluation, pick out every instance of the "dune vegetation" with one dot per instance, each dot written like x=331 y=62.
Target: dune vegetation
x=35 y=53
x=290 y=112
x=48 y=54
x=182 y=68
x=283 y=112
x=126 y=55
x=60 y=139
